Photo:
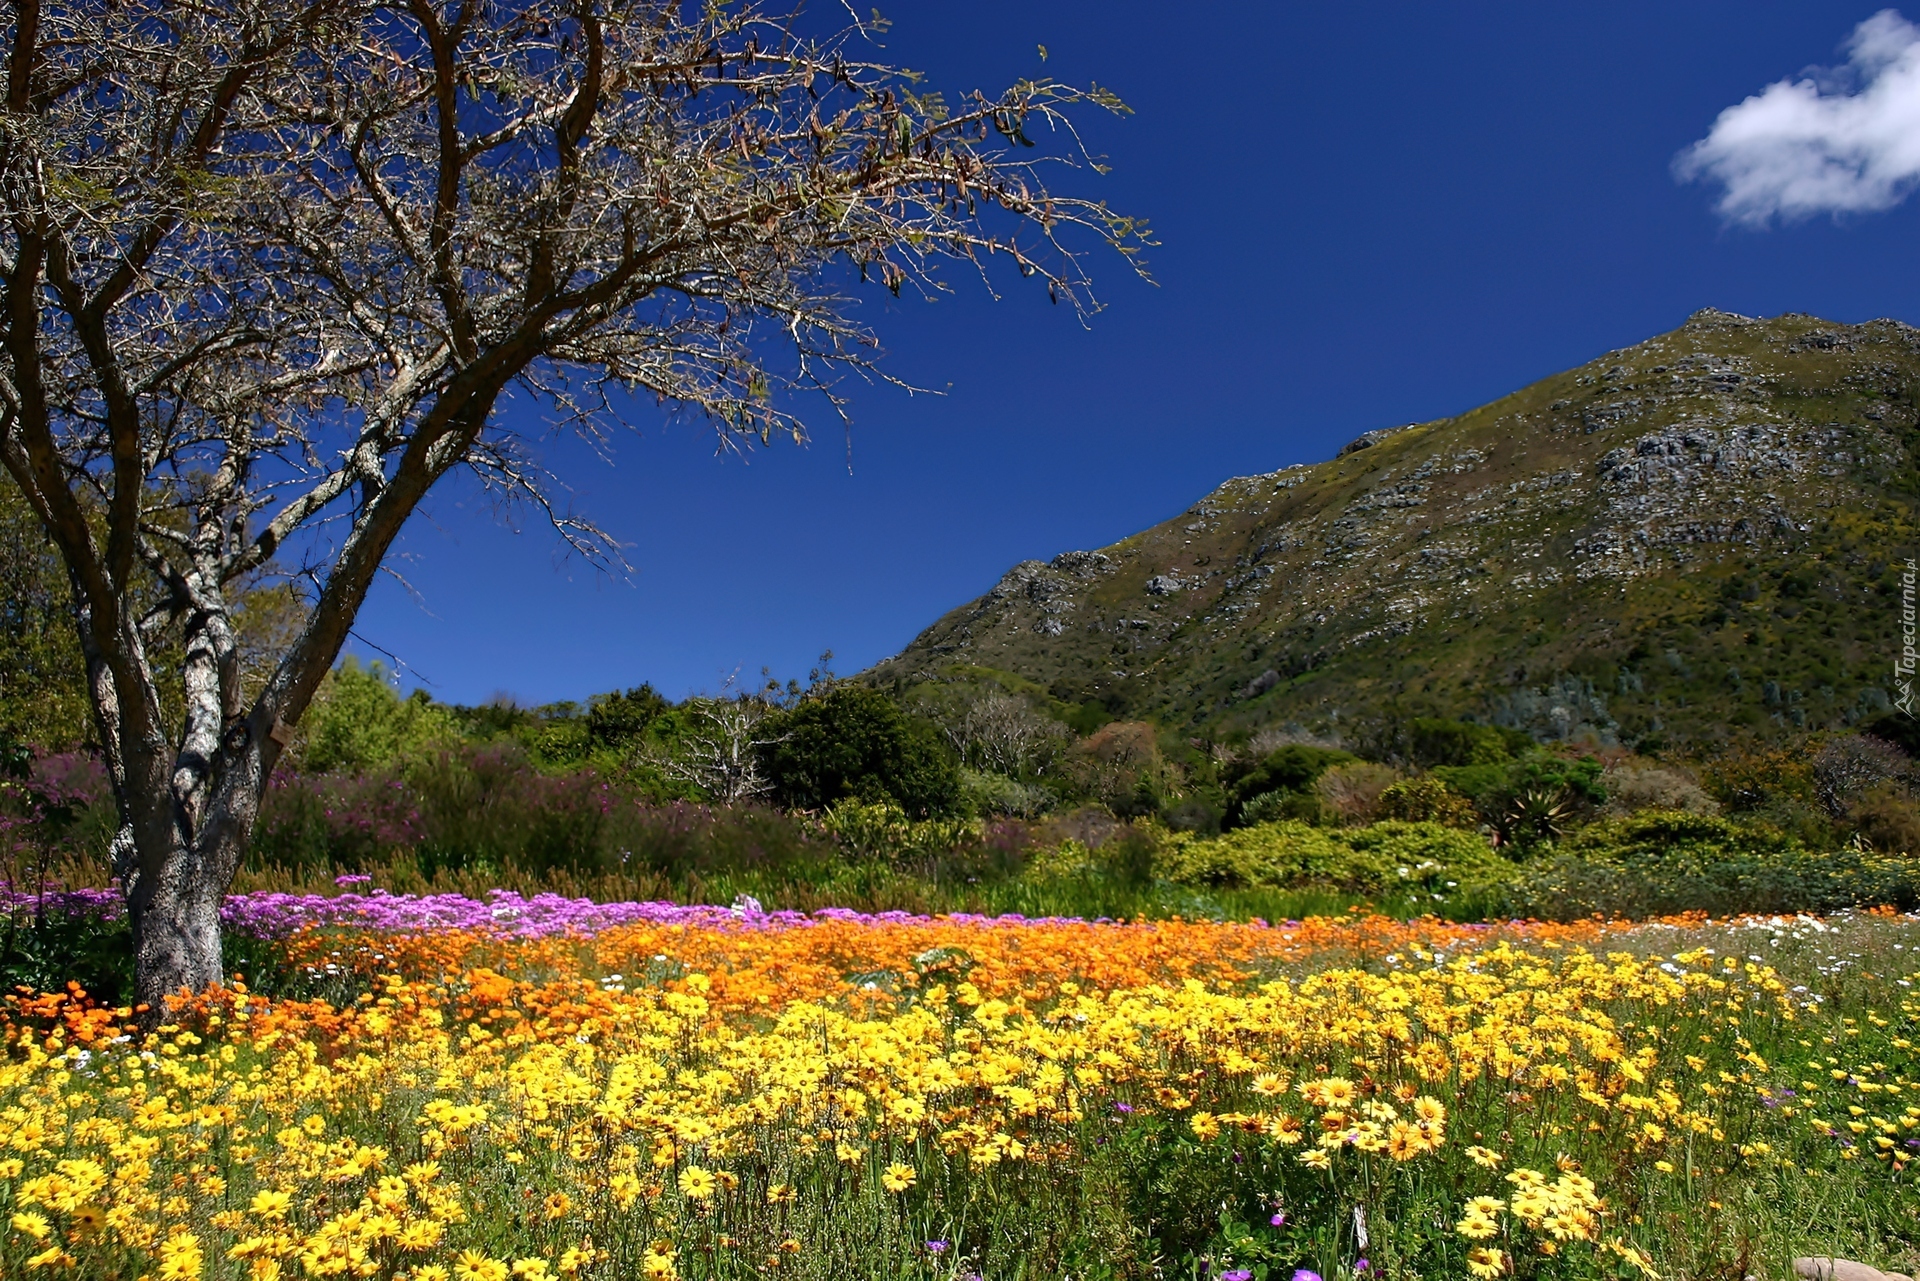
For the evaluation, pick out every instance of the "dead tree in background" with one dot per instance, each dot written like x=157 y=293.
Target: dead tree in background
x=721 y=754
x=271 y=271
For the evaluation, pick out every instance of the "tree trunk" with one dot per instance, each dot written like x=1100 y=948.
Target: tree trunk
x=175 y=910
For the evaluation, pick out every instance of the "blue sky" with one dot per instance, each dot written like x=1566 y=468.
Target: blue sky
x=1370 y=214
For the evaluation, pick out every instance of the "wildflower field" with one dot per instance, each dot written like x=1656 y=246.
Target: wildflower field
x=440 y=1088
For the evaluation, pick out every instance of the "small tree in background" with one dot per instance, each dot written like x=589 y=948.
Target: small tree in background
x=851 y=742
x=999 y=733
x=359 y=722
x=723 y=748
x=268 y=271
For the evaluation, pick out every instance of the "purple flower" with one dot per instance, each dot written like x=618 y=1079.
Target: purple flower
x=1238 y=1274
x=936 y=1247
x=1279 y=1219
x=271 y=915
x=1361 y=1266
x=1125 y=1109
x=1305 y=1274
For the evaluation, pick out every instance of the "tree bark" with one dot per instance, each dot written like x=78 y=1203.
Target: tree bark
x=175 y=913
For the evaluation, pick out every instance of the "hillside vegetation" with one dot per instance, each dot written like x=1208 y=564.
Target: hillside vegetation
x=1694 y=538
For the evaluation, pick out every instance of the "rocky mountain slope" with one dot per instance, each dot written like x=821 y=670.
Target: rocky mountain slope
x=1695 y=537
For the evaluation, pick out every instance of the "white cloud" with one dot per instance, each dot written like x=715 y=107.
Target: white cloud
x=1838 y=140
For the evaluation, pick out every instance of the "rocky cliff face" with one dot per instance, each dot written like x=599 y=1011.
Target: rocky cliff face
x=1679 y=540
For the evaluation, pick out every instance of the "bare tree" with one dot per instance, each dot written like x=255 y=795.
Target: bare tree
x=271 y=269
x=1845 y=769
x=1000 y=733
x=722 y=757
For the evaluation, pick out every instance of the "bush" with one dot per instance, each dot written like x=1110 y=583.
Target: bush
x=1282 y=853
x=1381 y=858
x=1426 y=800
x=1665 y=862
x=1655 y=834
x=59 y=938
x=1402 y=844
x=988 y=794
x=1291 y=769
x=1751 y=781
x=486 y=810
x=1845 y=769
x=1632 y=789
x=883 y=833
x=1433 y=741
x=1279 y=807
x=1889 y=820
x=359 y=722
x=1532 y=798
x=854 y=743
x=1352 y=792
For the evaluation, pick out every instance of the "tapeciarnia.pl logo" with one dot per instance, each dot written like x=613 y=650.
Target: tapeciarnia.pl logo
x=1904 y=664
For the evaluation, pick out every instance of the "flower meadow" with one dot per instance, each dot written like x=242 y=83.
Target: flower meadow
x=451 y=1089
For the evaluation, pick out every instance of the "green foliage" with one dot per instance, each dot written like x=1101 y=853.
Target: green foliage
x=855 y=742
x=1529 y=798
x=42 y=677
x=1432 y=740
x=1277 y=807
x=618 y=721
x=358 y=722
x=1653 y=834
x=1383 y=858
x=1291 y=769
x=987 y=793
x=562 y=741
x=1426 y=800
x=882 y=832
x=1482 y=784
x=47 y=950
x=1665 y=862
x=1400 y=844
x=1754 y=780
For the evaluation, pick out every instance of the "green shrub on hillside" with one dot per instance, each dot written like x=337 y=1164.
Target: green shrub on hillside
x=882 y=832
x=1660 y=863
x=1281 y=807
x=1889 y=821
x=1402 y=844
x=854 y=742
x=1382 y=858
x=359 y=722
x=1286 y=772
x=1654 y=834
x=987 y=794
x=1427 y=800
x=1432 y=741
x=1279 y=853
x=1516 y=796
x=1752 y=780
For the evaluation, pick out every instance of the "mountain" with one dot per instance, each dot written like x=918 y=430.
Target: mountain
x=1694 y=538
